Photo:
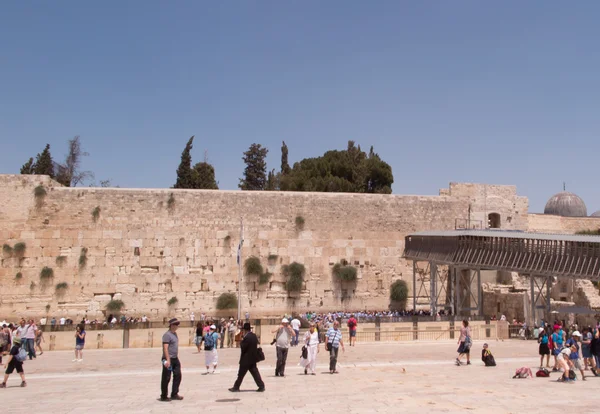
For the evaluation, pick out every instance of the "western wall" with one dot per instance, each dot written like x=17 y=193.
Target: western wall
x=146 y=246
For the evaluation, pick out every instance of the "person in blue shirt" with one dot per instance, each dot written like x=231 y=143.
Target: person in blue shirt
x=544 y=348
x=574 y=357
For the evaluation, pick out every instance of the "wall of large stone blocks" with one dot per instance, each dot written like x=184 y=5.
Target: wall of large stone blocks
x=146 y=246
x=544 y=223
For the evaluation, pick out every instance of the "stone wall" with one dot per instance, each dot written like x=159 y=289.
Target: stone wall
x=543 y=223
x=149 y=245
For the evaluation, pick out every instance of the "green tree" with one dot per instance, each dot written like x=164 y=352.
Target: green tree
x=44 y=164
x=28 y=167
x=203 y=177
x=285 y=166
x=351 y=171
x=255 y=173
x=185 y=177
x=272 y=179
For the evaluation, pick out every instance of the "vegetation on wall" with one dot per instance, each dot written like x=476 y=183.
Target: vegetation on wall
x=399 y=291
x=589 y=232
x=171 y=202
x=264 y=278
x=294 y=272
x=173 y=301
x=60 y=260
x=19 y=249
x=62 y=286
x=96 y=213
x=115 y=305
x=227 y=301
x=7 y=250
x=344 y=271
x=272 y=257
x=19 y=276
x=252 y=266
x=39 y=193
x=299 y=223
x=83 y=257
x=46 y=273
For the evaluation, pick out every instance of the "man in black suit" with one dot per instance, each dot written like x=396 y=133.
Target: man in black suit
x=248 y=360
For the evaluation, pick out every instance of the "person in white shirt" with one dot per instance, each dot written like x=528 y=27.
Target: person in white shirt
x=192 y=317
x=564 y=361
x=62 y=320
x=296 y=327
x=144 y=319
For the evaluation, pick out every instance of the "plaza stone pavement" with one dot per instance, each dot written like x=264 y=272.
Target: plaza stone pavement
x=371 y=379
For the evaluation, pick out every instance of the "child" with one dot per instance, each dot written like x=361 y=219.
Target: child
x=13 y=363
x=487 y=357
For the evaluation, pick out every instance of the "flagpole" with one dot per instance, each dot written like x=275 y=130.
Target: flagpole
x=239 y=312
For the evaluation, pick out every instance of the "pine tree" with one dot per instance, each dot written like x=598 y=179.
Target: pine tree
x=185 y=177
x=255 y=174
x=204 y=177
x=44 y=164
x=28 y=167
x=285 y=166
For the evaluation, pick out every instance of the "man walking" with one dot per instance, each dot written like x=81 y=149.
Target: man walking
x=231 y=328
x=171 y=363
x=296 y=327
x=352 y=324
x=334 y=340
x=248 y=360
x=282 y=343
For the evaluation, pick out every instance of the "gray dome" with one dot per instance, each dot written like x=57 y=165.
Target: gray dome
x=596 y=214
x=566 y=204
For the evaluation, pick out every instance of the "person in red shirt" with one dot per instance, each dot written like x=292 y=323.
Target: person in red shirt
x=352 y=324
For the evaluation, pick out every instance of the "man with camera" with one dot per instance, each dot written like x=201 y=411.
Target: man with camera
x=283 y=336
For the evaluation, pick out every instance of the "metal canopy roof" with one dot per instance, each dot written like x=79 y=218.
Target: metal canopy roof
x=574 y=256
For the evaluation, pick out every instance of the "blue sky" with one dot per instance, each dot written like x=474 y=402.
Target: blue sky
x=497 y=92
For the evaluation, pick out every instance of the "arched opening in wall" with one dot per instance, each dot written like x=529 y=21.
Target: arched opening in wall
x=494 y=221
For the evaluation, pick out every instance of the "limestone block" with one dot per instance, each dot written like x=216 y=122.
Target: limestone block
x=126 y=287
x=117 y=296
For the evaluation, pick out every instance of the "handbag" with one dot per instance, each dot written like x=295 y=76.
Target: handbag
x=260 y=355
x=304 y=352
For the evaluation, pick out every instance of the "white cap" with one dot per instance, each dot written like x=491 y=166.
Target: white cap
x=213 y=327
x=576 y=333
x=284 y=320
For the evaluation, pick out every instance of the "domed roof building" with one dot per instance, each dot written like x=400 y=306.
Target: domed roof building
x=596 y=214
x=566 y=204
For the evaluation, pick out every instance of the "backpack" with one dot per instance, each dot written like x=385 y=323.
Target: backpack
x=209 y=342
x=22 y=355
x=542 y=373
x=572 y=375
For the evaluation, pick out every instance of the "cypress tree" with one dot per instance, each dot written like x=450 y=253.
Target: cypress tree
x=255 y=173
x=285 y=166
x=185 y=177
x=44 y=164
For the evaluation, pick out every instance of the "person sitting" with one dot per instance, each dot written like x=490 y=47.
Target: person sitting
x=487 y=357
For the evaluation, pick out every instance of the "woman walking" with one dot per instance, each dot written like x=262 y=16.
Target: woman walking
x=39 y=338
x=211 y=357
x=198 y=337
x=311 y=341
x=544 y=348
x=465 y=343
